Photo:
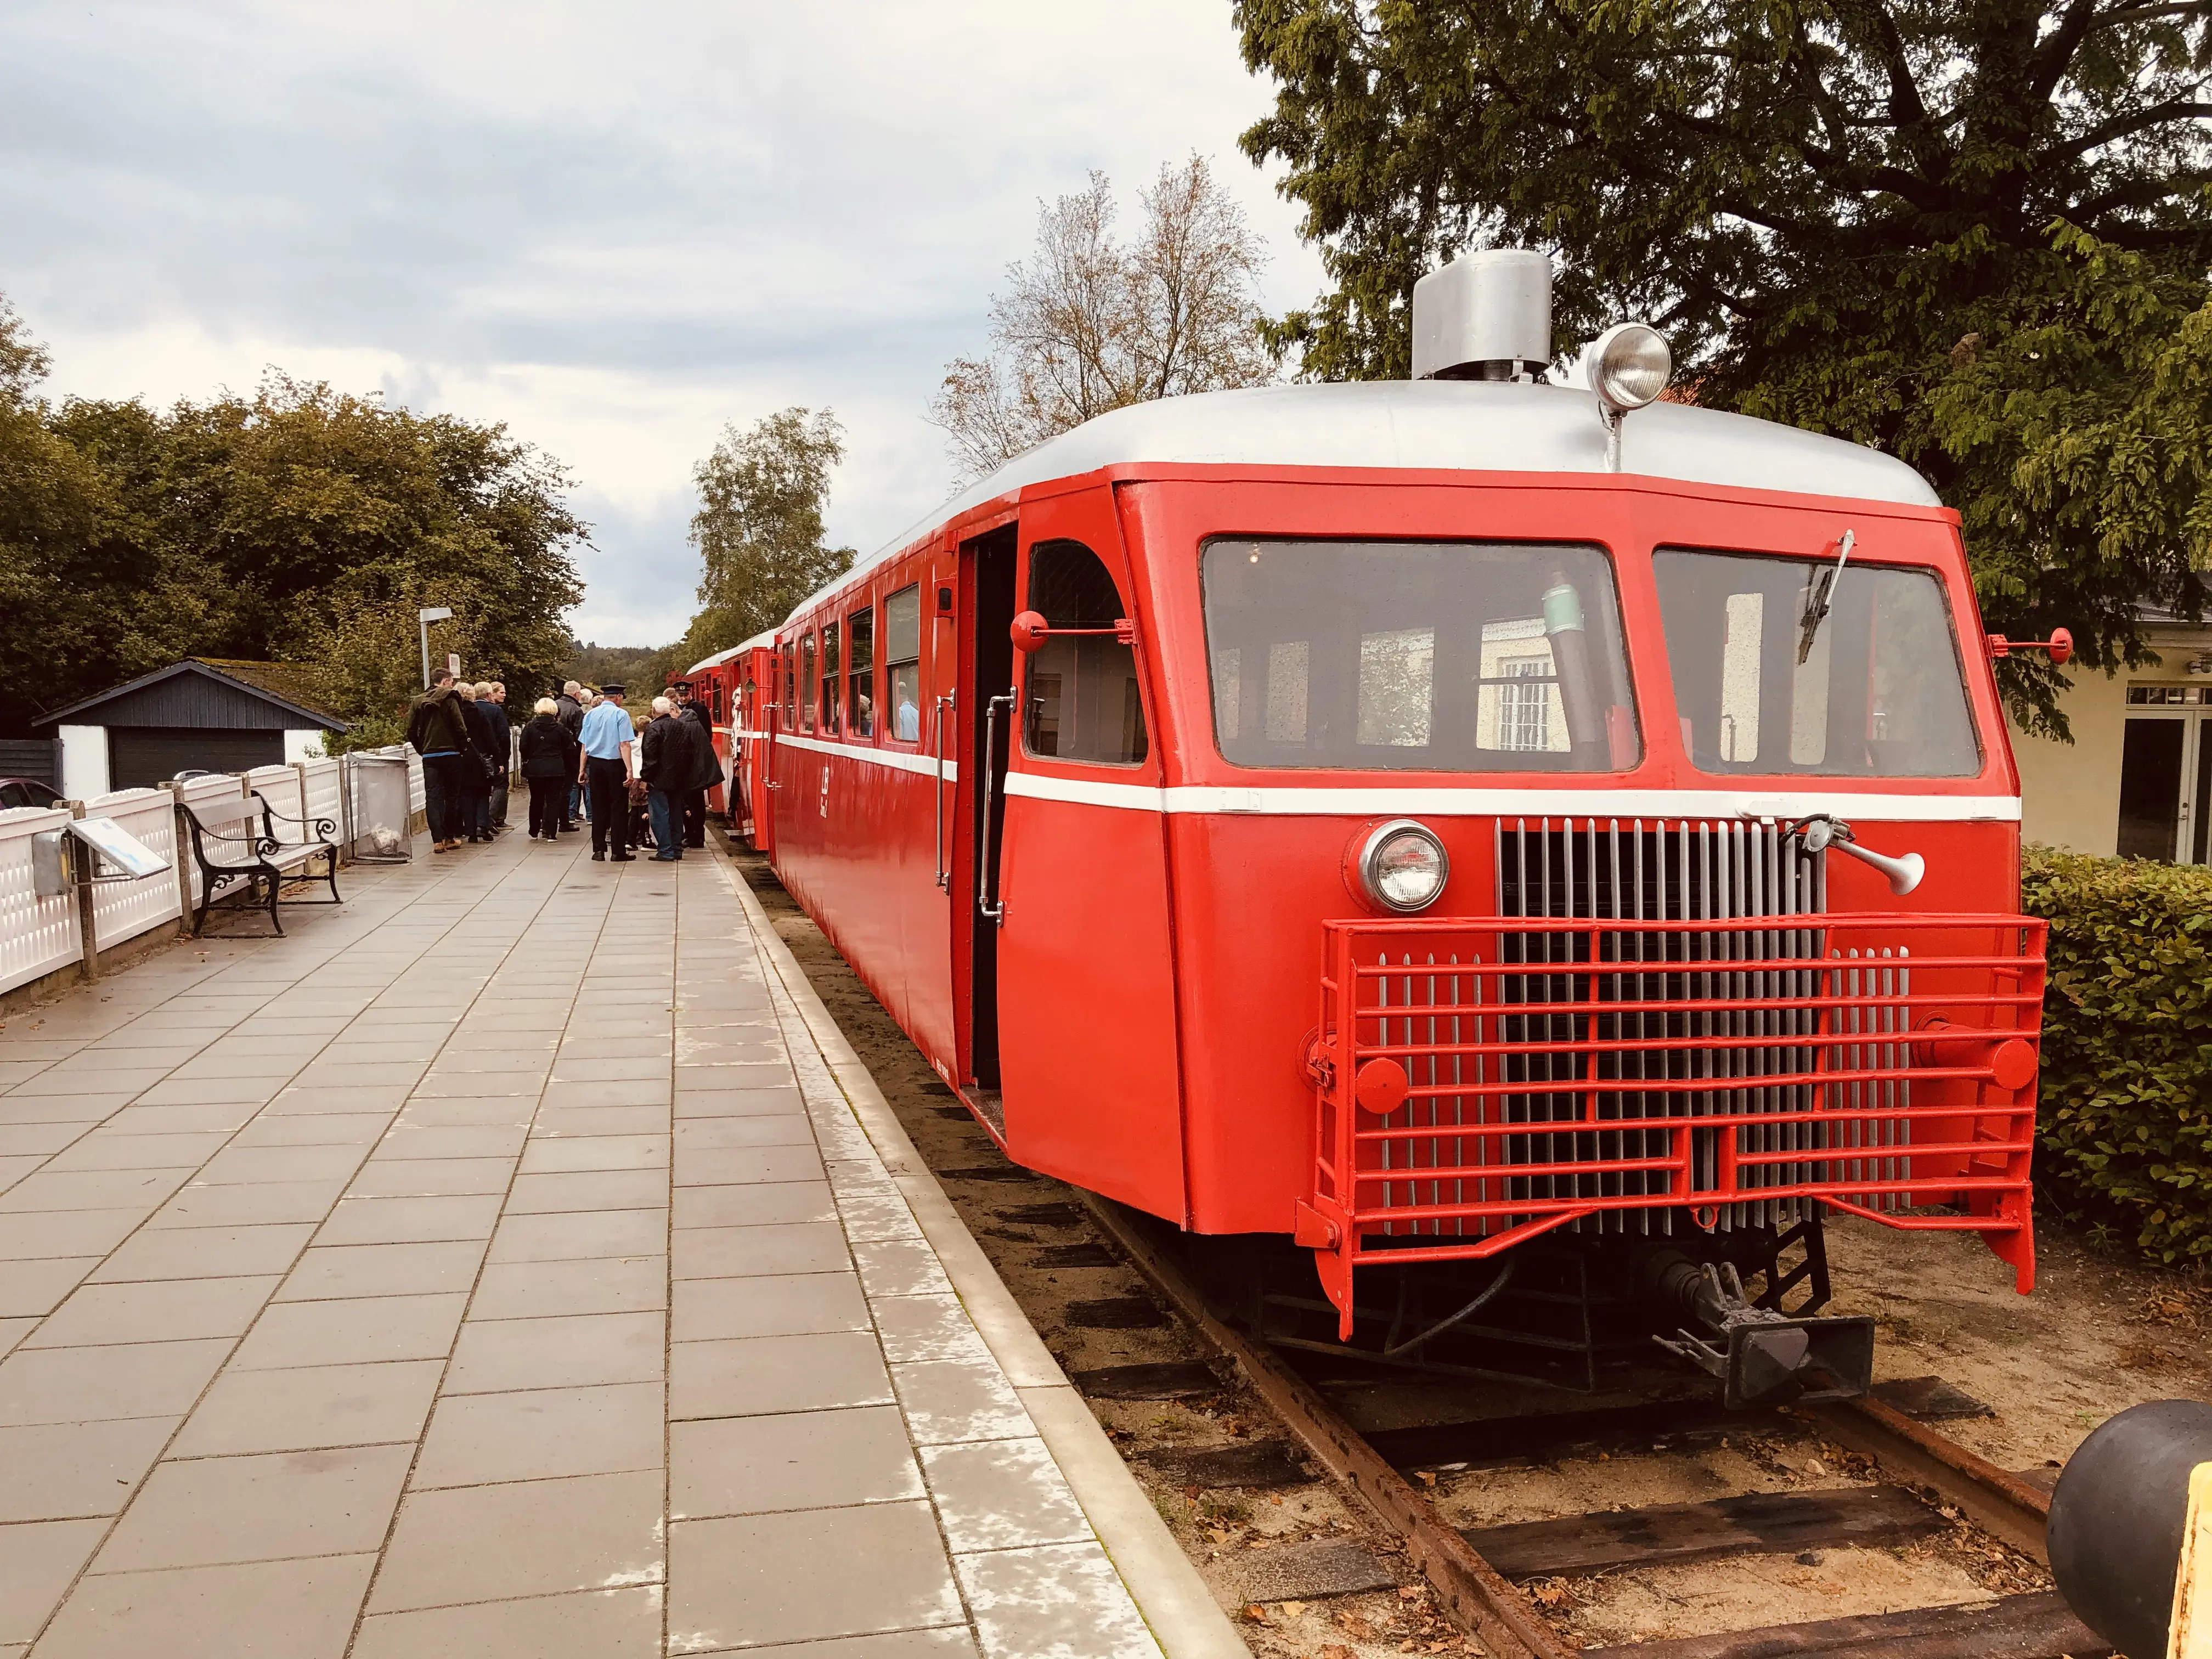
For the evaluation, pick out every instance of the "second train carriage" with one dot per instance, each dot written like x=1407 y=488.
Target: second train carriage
x=1422 y=818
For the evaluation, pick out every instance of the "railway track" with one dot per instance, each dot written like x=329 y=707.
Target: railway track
x=1480 y=1575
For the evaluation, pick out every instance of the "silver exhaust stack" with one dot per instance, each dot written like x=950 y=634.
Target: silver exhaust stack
x=1486 y=316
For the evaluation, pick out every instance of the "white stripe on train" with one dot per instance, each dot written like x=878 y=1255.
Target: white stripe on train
x=1472 y=800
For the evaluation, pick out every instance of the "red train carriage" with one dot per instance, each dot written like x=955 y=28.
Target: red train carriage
x=730 y=683
x=1444 y=823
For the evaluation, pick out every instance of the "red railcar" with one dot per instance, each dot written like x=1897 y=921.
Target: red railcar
x=730 y=683
x=1361 y=813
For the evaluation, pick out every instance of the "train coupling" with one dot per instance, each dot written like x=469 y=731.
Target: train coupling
x=1761 y=1358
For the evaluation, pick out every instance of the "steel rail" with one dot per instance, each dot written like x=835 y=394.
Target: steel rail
x=1477 y=1597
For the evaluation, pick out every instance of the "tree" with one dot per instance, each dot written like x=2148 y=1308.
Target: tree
x=1089 y=324
x=1858 y=216
x=758 y=528
x=299 y=524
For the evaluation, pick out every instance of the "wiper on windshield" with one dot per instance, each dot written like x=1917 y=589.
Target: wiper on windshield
x=1819 y=594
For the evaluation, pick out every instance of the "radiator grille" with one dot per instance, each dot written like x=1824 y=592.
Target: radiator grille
x=1662 y=1026
x=1723 y=872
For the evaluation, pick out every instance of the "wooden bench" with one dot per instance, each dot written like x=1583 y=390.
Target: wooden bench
x=237 y=841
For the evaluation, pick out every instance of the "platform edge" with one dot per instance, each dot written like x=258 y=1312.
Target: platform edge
x=1185 y=1618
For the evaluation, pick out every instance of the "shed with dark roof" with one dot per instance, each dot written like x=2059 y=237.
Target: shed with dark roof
x=203 y=713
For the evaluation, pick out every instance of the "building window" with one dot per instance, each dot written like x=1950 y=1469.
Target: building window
x=2168 y=696
x=903 y=661
x=830 y=686
x=806 y=680
x=860 y=671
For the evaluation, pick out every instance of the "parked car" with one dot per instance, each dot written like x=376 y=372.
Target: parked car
x=26 y=792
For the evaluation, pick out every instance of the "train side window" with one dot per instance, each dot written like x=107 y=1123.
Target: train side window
x=860 y=671
x=831 y=684
x=1083 y=703
x=790 y=681
x=807 y=683
x=903 y=661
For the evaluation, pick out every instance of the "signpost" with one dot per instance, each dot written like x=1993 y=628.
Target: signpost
x=425 y=617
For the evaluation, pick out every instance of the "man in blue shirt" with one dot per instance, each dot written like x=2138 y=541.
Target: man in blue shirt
x=604 y=770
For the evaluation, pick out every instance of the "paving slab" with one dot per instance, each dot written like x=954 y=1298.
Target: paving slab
x=493 y=1266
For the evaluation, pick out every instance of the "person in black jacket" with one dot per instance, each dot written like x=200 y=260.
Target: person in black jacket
x=667 y=764
x=568 y=708
x=548 y=763
x=707 y=768
x=492 y=698
x=439 y=733
x=477 y=771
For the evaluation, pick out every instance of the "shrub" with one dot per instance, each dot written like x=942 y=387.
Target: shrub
x=2126 y=1097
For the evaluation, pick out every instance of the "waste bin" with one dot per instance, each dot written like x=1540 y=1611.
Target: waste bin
x=381 y=808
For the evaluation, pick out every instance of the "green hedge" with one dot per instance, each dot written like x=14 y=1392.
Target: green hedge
x=2126 y=1096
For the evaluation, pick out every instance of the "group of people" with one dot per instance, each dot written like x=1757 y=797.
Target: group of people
x=460 y=730
x=639 y=782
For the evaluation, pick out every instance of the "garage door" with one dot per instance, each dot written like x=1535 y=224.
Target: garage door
x=138 y=756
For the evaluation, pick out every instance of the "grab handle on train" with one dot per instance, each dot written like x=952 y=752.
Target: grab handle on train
x=994 y=911
x=937 y=838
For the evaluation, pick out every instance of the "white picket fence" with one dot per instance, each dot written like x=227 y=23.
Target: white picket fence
x=39 y=935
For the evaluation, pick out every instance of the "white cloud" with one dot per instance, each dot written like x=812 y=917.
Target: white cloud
x=614 y=228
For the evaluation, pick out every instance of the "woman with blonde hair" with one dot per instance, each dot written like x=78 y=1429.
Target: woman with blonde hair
x=549 y=760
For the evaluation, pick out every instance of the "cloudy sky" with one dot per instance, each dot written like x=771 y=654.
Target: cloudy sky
x=615 y=228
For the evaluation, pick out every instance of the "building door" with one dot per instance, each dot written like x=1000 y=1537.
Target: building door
x=2166 y=788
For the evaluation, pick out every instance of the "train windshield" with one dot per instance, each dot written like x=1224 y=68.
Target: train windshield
x=1416 y=656
x=1765 y=682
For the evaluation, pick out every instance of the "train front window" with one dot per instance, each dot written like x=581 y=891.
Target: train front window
x=1873 y=689
x=1416 y=656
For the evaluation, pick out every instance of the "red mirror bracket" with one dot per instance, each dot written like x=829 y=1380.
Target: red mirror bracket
x=2060 y=644
x=1030 y=631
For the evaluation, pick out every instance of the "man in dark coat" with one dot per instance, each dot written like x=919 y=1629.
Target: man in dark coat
x=707 y=769
x=476 y=775
x=491 y=702
x=439 y=733
x=667 y=762
x=568 y=709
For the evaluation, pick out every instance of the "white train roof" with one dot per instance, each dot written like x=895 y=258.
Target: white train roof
x=721 y=657
x=1475 y=426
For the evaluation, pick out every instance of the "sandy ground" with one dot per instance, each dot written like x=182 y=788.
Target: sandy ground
x=2097 y=1336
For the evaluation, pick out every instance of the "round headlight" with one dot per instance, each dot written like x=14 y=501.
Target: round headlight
x=1402 y=866
x=1630 y=365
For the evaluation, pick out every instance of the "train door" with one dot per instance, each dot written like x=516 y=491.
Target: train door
x=1086 y=1030
x=979 y=714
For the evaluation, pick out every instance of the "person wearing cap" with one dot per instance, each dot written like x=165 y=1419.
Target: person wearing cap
x=608 y=741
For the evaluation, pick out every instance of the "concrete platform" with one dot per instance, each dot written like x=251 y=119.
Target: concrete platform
x=507 y=1263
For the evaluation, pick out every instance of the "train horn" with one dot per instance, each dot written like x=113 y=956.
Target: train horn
x=1820 y=832
x=1904 y=872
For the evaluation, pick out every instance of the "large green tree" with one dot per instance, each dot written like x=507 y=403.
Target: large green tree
x=300 y=523
x=1973 y=233
x=758 y=528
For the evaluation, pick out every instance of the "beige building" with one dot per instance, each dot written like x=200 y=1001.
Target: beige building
x=2137 y=778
